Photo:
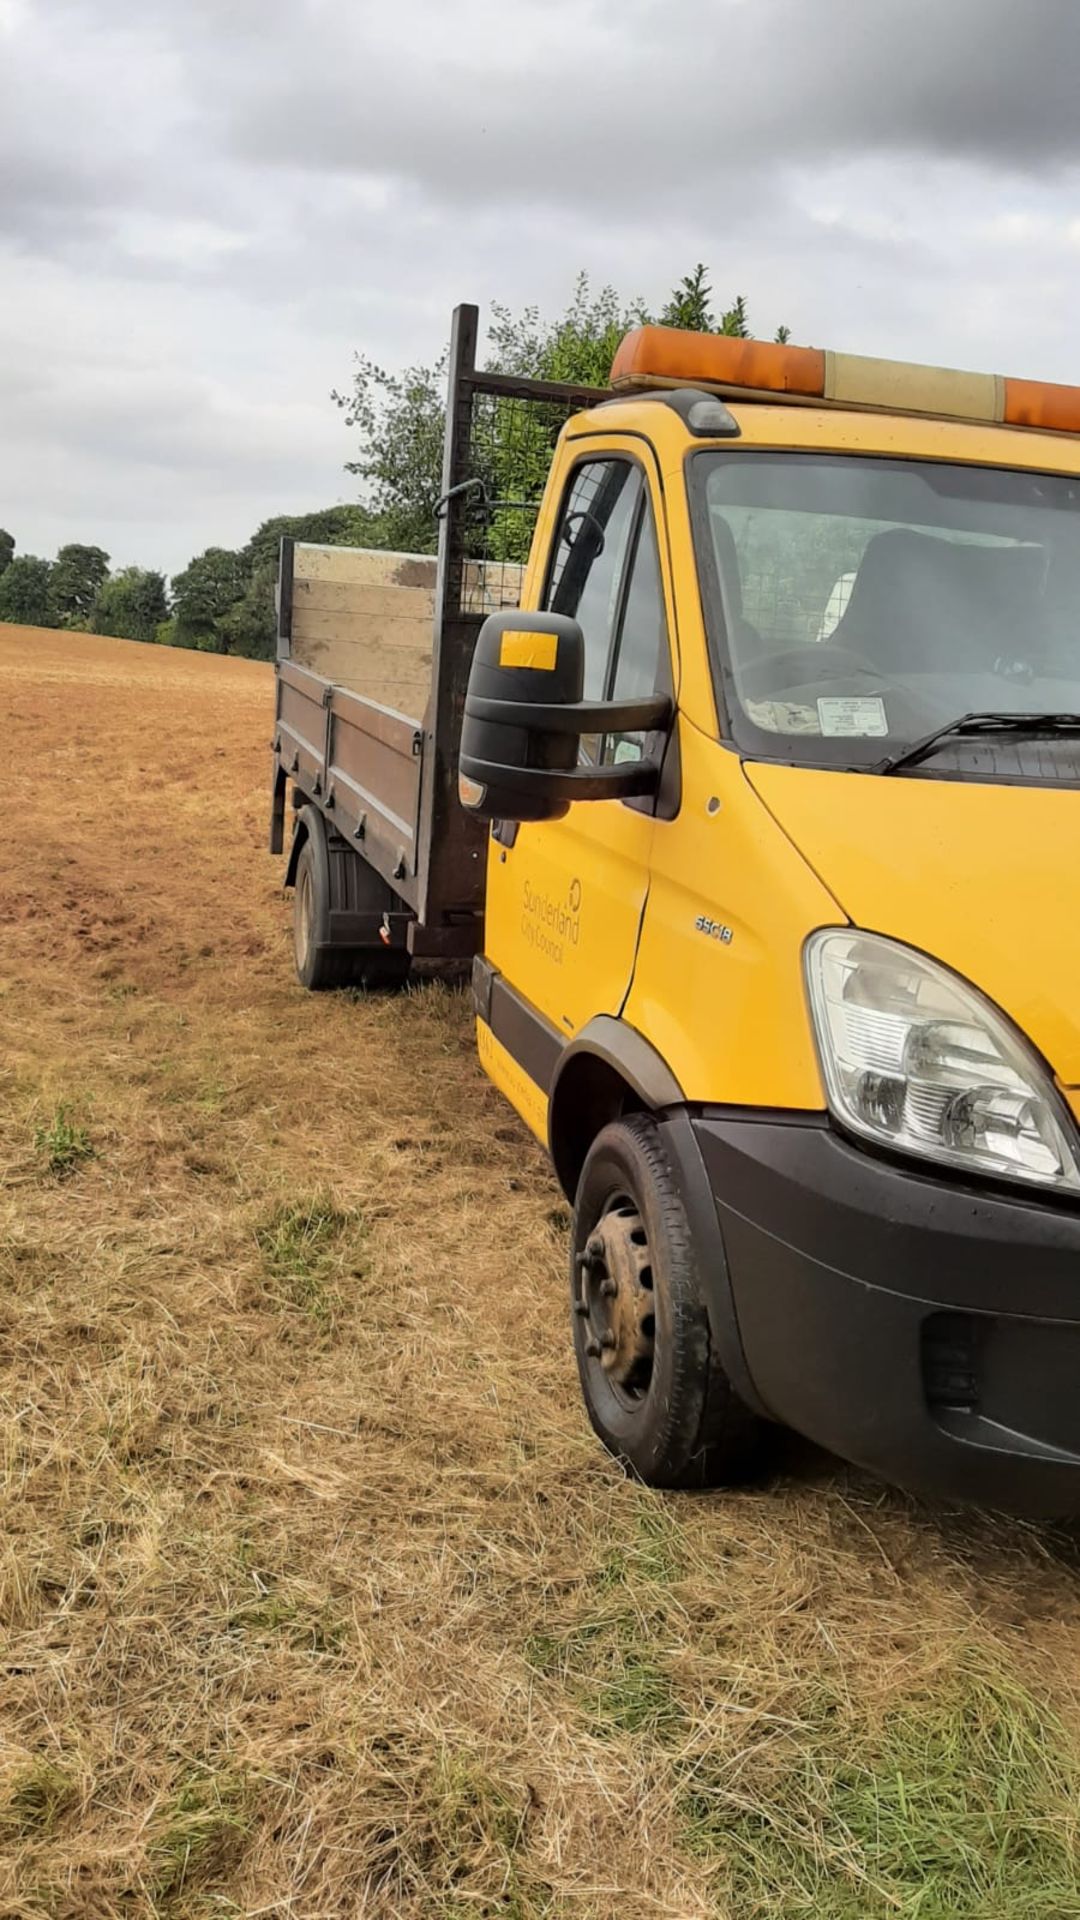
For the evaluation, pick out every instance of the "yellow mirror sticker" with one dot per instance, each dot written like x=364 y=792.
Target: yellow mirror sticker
x=517 y=649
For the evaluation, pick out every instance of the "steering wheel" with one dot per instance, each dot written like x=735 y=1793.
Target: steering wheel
x=776 y=671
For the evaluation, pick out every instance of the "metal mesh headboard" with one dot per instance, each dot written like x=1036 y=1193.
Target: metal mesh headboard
x=502 y=432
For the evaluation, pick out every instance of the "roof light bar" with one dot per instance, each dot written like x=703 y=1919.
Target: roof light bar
x=669 y=357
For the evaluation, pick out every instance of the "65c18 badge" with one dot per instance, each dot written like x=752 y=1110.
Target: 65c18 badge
x=714 y=928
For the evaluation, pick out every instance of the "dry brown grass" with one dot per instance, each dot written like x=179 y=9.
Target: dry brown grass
x=318 y=1597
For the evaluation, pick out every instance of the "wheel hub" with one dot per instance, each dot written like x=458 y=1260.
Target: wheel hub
x=615 y=1298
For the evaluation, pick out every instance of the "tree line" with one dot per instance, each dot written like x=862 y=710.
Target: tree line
x=223 y=600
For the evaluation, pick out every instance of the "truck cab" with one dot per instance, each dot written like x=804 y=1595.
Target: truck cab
x=779 y=955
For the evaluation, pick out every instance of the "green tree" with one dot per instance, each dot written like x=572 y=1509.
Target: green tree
x=349 y=525
x=735 y=323
x=690 y=305
x=78 y=573
x=400 y=417
x=203 y=595
x=578 y=348
x=224 y=602
x=131 y=604
x=24 y=592
x=250 y=625
x=7 y=549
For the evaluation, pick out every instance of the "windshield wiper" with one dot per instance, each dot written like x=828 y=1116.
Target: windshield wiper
x=970 y=724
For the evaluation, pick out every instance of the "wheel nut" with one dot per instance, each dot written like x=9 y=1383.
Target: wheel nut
x=580 y=1308
x=609 y=1289
x=607 y=1341
x=593 y=1349
x=594 y=1246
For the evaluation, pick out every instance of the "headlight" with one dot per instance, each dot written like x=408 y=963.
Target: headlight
x=919 y=1062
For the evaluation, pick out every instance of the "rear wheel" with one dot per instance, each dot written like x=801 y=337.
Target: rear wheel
x=321 y=967
x=654 y=1388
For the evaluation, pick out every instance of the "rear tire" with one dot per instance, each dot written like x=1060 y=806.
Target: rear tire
x=654 y=1388
x=320 y=967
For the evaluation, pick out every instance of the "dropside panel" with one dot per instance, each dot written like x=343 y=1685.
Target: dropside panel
x=364 y=619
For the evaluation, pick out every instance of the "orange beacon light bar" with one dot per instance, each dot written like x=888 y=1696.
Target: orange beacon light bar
x=669 y=357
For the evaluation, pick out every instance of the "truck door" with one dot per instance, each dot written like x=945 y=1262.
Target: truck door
x=565 y=898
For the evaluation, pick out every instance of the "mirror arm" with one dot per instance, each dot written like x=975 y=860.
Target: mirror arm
x=580 y=716
x=625 y=782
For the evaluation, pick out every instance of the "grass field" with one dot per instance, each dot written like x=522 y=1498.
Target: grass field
x=318 y=1597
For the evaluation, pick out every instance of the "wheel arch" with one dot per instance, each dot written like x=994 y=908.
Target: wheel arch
x=608 y=1070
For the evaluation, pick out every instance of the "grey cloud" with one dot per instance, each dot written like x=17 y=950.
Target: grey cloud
x=207 y=204
x=683 y=98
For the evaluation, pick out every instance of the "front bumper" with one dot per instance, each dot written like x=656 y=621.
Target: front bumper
x=923 y=1328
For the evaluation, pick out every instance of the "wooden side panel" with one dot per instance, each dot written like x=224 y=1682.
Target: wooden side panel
x=364 y=619
x=340 y=598
x=301 y=724
x=393 y=670
x=364 y=566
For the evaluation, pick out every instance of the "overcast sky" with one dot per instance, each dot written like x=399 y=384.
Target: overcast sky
x=207 y=205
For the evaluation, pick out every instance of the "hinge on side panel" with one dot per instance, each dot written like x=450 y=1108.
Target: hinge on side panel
x=328 y=693
x=360 y=828
x=417 y=744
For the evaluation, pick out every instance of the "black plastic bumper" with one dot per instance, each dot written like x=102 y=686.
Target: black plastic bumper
x=919 y=1327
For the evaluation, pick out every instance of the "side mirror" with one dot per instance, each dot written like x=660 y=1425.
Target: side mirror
x=525 y=720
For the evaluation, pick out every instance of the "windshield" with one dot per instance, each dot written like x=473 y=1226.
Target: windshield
x=856 y=604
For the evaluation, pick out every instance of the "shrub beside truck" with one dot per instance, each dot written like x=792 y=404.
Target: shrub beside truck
x=743 y=764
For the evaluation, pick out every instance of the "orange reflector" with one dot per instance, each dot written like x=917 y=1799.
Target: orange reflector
x=470 y=792
x=668 y=357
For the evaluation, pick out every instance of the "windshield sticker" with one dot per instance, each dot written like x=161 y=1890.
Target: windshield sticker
x=783 y=716
x=864 y=716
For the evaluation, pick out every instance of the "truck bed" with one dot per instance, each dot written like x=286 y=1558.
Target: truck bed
x=355 y=707
x=374 y=651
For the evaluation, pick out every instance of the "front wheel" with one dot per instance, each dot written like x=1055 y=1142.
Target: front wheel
x=655 y=1391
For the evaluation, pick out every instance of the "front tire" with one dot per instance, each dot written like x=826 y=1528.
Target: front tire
x=654 y=1388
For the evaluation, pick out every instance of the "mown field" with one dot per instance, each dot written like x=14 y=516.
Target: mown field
x=318 y=1597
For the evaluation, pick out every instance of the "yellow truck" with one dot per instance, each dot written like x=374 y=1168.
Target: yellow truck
x=766 y=848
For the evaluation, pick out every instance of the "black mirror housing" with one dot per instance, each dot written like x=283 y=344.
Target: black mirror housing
x=525 y=717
